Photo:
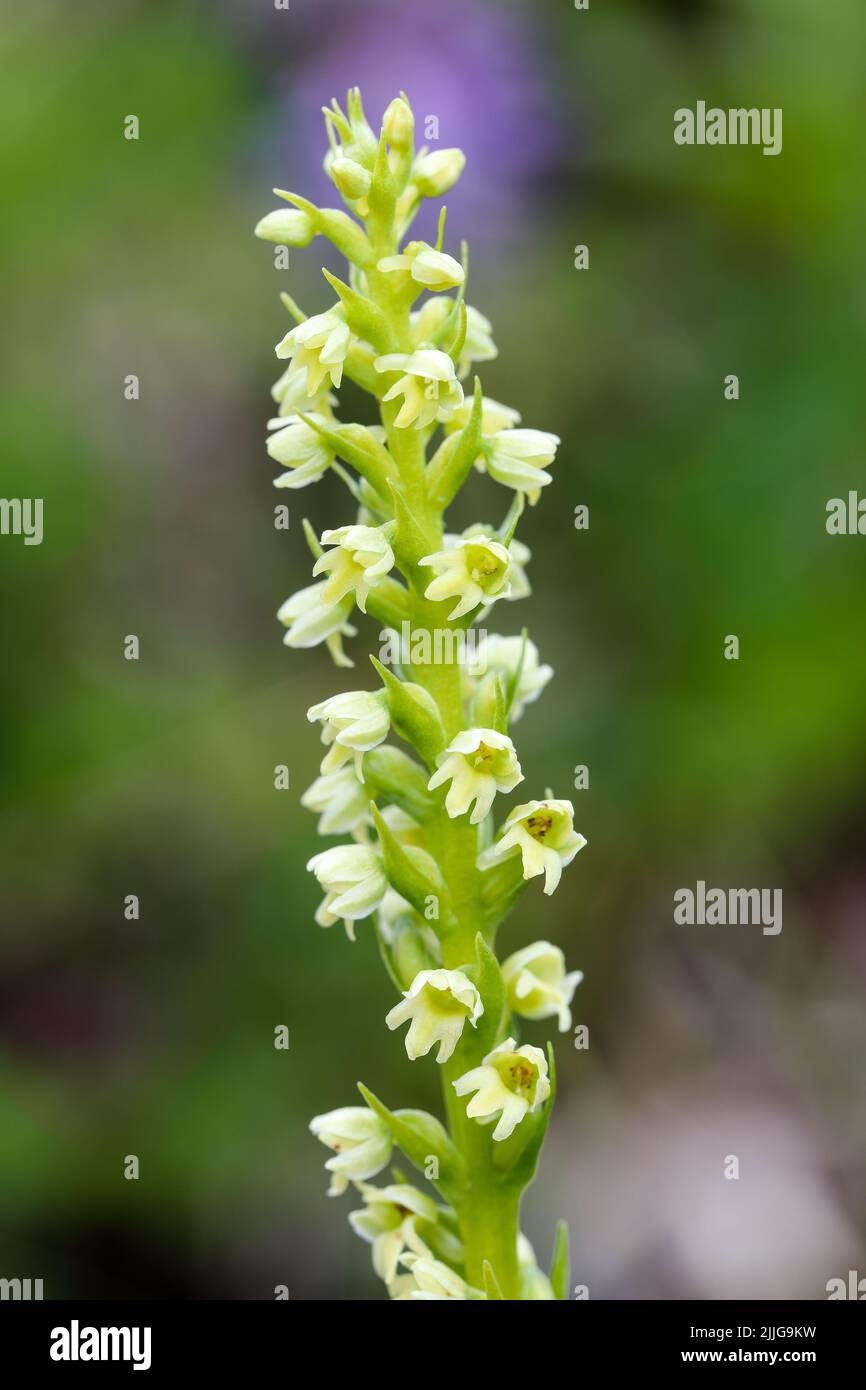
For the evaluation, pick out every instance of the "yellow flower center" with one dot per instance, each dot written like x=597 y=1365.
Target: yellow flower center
x=518 y=1074
x=540 y=825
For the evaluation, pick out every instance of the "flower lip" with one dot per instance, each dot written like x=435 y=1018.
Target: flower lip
x=511 y=1082
x=438 y=1003
x=543 y=832
x=537 y=985
x=361 y=1142
x=478 y=763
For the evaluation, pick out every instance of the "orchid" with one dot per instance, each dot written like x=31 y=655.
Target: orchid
x=415 y=768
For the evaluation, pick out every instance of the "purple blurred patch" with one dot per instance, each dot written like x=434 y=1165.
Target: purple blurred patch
x=475 y=67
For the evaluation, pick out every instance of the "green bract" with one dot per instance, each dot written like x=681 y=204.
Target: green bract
x=433 y=859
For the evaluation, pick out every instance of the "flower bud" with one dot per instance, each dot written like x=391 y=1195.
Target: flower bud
x=436 y=174
x=351 y=178
x=398 y=125
x=287 y=227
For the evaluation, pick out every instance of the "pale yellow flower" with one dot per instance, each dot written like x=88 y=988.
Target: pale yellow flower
x=510 y=657
x=301 y=451
x=360 y=558
x=537 y=984
x=311 y=619
x=353 y=881
x=428 y=385
x=435 y=174
x=543 y=832
x=433 y=269
x=431 y=1281
x=341 y=801
x=352 y=723
x=361 y=1143
x=438 y=1003
x=388 y=1221
x=478 y=763
x=511 y=1083
x=318 y=347
x=473 y=570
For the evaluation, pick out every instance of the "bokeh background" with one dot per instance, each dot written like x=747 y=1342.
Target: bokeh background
x=155 y=1037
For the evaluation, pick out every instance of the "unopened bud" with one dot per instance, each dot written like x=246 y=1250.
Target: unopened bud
x=398 y=125
x=436 y=174
x=351 y=178
x=287 y=227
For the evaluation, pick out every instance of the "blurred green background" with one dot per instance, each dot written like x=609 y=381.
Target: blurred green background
x=155 y=1037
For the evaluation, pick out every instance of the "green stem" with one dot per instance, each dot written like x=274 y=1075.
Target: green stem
x=488 y=1213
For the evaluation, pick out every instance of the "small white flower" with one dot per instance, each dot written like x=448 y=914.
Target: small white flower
x=431 y=1281
x=512 y=1082
x=478 y=763
x=286 y=227
x=475 y=570
x=361 y=1142
x=311 y=620
x=360 y=557
x=520 y=557
x=318 y=347
x=388 y=1222
x=438 y=1002
x=353 y=881
x=503 y=654
x=340 y=800
x=518 y=458
x=435 y=174
x=433 y=269
x=302 y=451
x=352 y=724
x=494 y=418
x=479 y=345
x=543 y=832
x=429 y=386
x=537 y=984
x=290 y=393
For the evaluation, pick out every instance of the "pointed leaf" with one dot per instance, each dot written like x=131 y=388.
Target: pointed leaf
x=414 y=714
x=491 y=986
x=489 y=704
x=422 y=1137
x=560 y=1269
x=411 y=543
x=312 y=539
x=501 y=886
x=455 y=351
x=512 y=683
x=413 y=872
x=391 y=775
x=357 y=447
x=491 y=1283
x=451 y=465
x=363 y=316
